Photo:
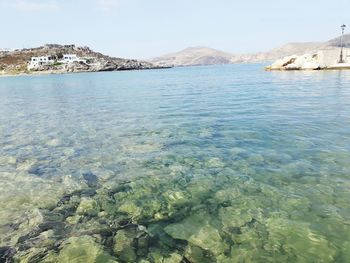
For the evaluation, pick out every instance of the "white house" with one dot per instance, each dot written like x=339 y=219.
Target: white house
x=43 y=60
x=35 y=62
x=67 y=58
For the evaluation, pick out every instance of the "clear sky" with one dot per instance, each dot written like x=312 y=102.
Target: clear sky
x=147 y=28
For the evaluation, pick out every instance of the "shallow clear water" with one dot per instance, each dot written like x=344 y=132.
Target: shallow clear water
x=202 y=164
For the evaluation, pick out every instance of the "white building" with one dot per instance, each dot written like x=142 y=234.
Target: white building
x=43 y=60
x=35 y=62
x=68 y=58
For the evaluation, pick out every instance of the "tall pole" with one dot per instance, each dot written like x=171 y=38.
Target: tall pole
x=341 y=43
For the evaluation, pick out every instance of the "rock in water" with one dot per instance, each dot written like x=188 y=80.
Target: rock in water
x=198 y=231
x=6 y=254
x=173 y=258
x=124 y=245
x=90 y=179
x=88 y=206
x=83 y=249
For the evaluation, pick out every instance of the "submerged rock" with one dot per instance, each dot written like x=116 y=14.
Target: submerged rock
x=173 y=258
x=197 y=230
x=297 y=241
x=88 y=206
x=90 y=179
x=73 y=220
x=234 y=217
x=6 y=254
x=83 y=249
x=124 y=245
x=197 y=255
x=130 y=208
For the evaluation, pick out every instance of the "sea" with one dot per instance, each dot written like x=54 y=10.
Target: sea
x=224 y=164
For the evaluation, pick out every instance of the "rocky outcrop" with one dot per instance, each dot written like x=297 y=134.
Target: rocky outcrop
x=15 y=62
x=322 y=59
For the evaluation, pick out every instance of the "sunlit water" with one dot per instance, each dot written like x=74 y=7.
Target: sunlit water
x=203 y=164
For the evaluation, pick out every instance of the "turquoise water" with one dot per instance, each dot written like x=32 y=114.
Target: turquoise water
x=203 y=164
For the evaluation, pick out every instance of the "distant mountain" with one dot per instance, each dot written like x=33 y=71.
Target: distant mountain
x=336 y=41
x=195 y=56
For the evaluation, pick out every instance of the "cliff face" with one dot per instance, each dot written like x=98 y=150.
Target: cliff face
x=15 y=62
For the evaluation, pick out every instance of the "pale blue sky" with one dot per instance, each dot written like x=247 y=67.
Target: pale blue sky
x=147 y=28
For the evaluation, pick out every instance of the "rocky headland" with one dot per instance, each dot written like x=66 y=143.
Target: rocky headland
x=16 y=62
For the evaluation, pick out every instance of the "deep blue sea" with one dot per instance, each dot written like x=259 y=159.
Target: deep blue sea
x=185 y=165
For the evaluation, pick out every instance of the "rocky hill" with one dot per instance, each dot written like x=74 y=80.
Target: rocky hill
x=207 y=56
x=194 y=56
x=336 y=42
x=16 y=61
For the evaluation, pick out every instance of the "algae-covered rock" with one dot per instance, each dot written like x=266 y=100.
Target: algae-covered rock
x=242 y=254
x=142 y=245
x=174 y=197
x=298 y=241
x=156 y=256
x=197 y=230
x=73 y=220
x=25 y=225
x=345 y=252
x=227 y=195
x=83 y=249
x=130 y=208
x=197 y=255
x=124 y=245
x=51 y=257
x=249 y=237
x=88 y=206
x=173 y=258
x=234 y=217
x=21 y=197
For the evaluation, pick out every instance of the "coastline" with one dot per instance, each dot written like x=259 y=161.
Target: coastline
x=56 y=72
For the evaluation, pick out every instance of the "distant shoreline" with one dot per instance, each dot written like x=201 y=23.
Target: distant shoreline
x=44 y=73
